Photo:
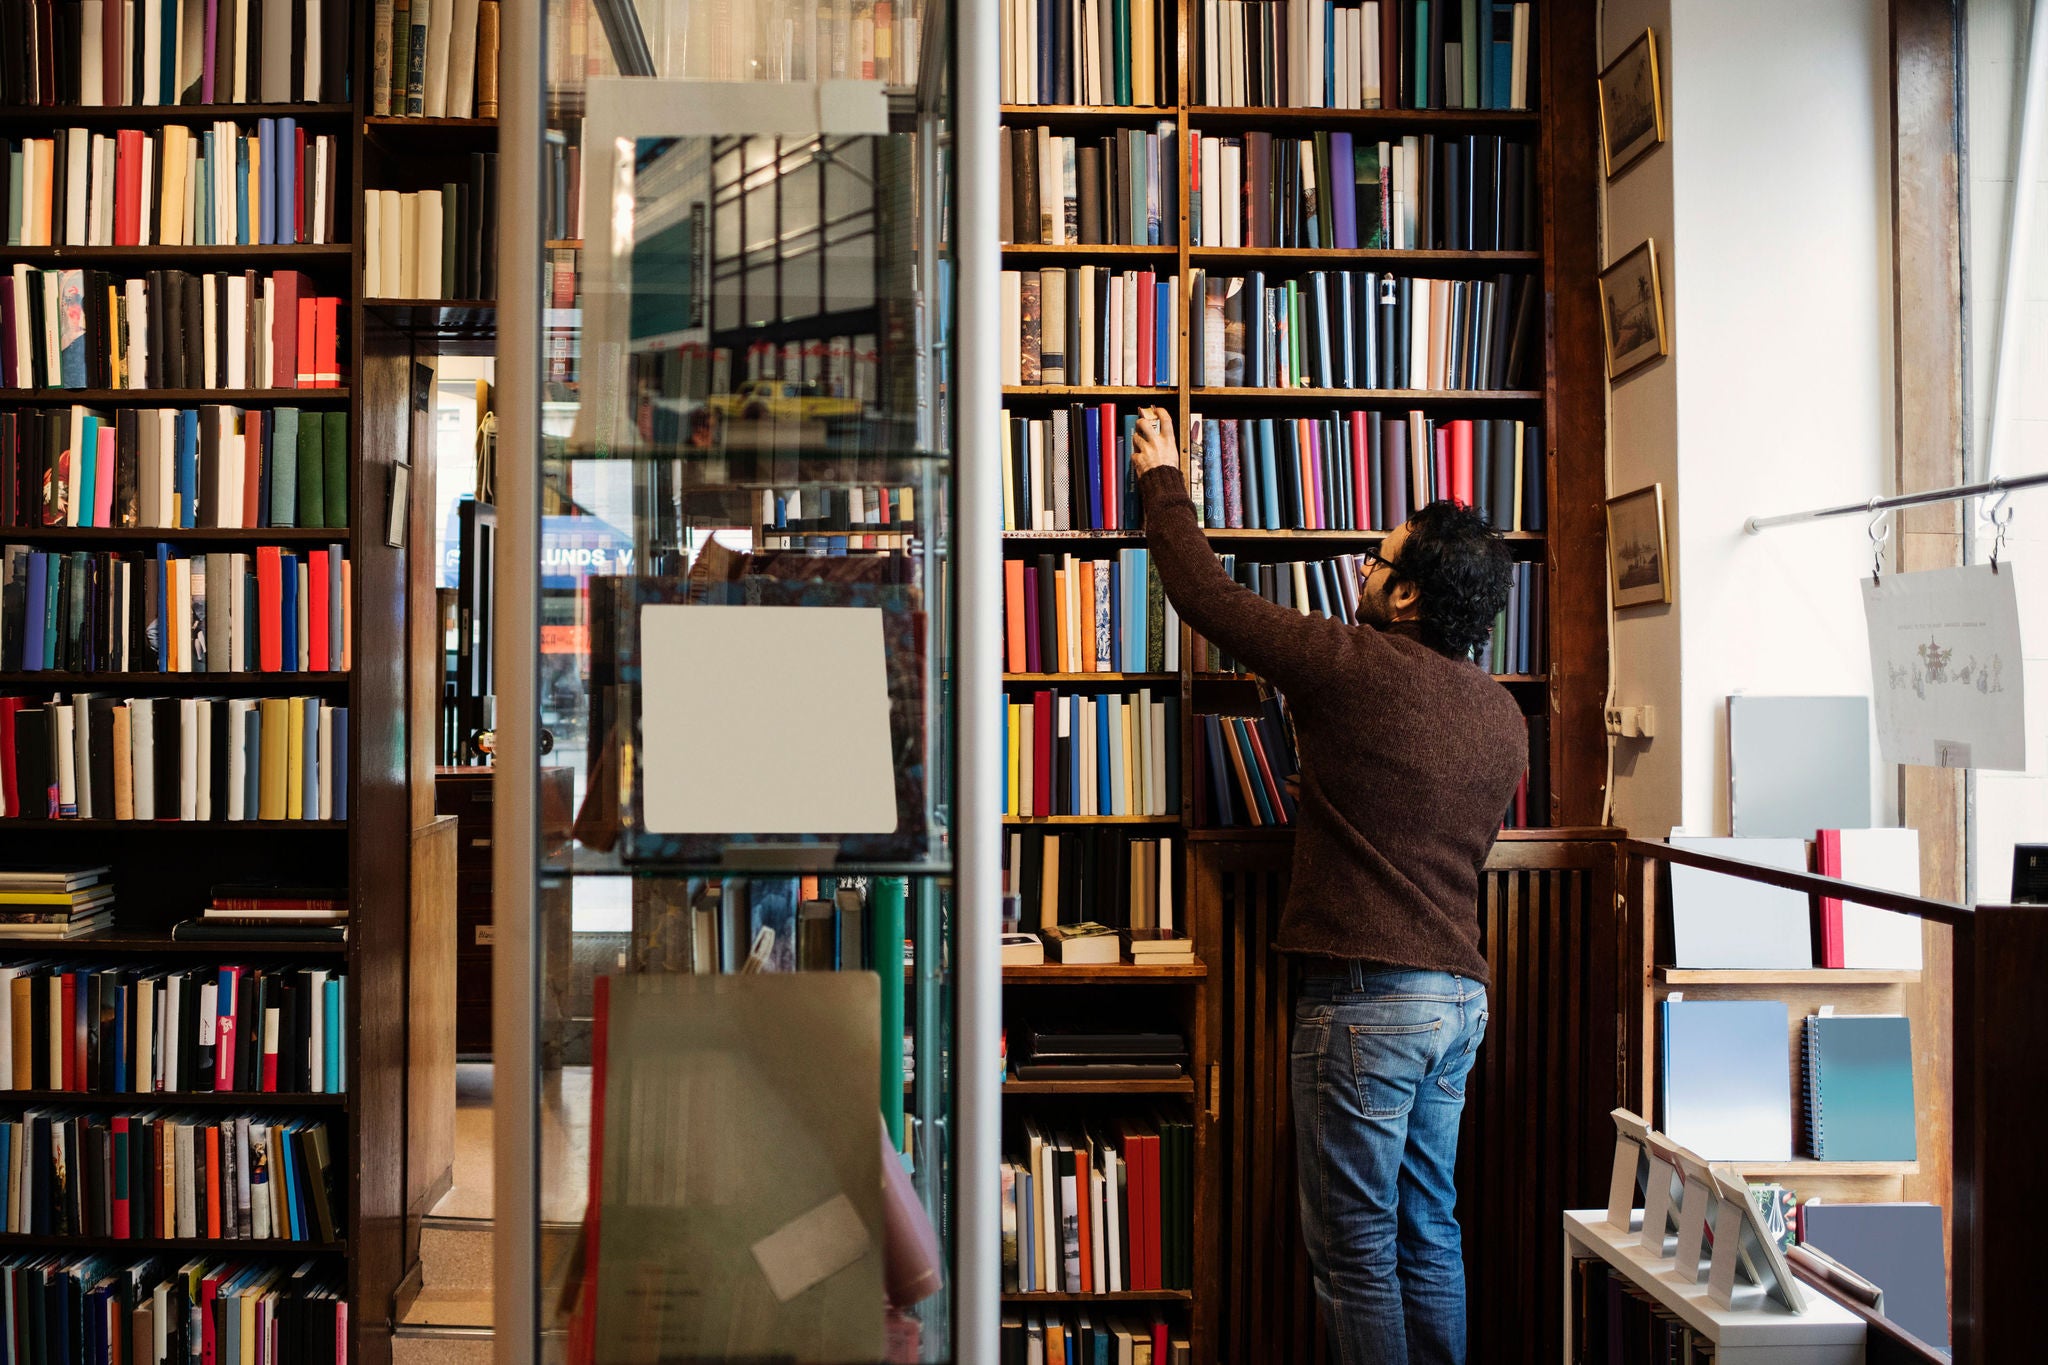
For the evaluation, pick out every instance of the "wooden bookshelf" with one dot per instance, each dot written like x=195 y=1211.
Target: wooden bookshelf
x=1241 y=1307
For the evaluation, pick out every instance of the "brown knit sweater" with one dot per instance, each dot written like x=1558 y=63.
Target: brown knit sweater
x=1408 y=760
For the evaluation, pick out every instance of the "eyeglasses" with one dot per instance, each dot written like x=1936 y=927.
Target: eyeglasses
x=1374 y=559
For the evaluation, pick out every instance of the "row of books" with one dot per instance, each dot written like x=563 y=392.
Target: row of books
x=1120 y=189
x=1245 y=762
x=175 y=468
x=1104 y=1209
x=434 y=244
x=562 y=178
x=1095 y=876
x=874 y=510
x=1361 y=329
x=1071 y=470
x=437 y=60
x=1091 y=325
x=1727 y=1093
x=1380 y=54
x=107 y=611
x=97 y=1310
x=1361 y=470
x=1063 y=614
x=163 y=1174
x=1106 y=754
x=156 y=1030
x=1614 y=1322
x=88 y=329
x=1088 y=52
x=711 y=925
x=222 y=612
x=1469 y=193
x=1318 y=587
x=174 y=758
x=217 y=185
x=141 y=52
x=1518 y=641
x=1085 y=1339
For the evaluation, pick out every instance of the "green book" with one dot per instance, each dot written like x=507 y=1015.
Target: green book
x=284 y=467
x=312 y=472
x=334 y=452
x=1123 y=51
x=1155 y=619
x=1420 y=76
x=886 y=896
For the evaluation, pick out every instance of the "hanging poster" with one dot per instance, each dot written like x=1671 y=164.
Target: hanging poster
x=1945 y=668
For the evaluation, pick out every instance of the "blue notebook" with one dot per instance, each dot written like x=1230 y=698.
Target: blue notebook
x=1898 y=1248
x=1725 y=1072
x=1859 y=1087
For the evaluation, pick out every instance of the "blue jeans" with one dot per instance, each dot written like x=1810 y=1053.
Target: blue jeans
x=1379 y=1061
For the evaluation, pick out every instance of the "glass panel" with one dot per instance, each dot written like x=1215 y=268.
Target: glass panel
x=746 y=505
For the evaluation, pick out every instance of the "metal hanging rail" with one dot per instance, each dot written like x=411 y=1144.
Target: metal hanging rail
x=1988 y=488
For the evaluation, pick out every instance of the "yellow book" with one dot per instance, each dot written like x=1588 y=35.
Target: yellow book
x=295 y=759
x=124 y=768
x=1049 y=884
x=24 y=1035
x=270 y=797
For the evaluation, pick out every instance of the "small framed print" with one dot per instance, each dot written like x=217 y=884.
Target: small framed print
x=1637 y=557
x=1632 y=311
x=1631 y=104
x=400 y=505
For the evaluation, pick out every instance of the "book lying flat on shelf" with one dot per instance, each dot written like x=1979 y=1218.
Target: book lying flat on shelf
x=1086 y=942
x=1157 y=948
x=1023 y=950
x=1859 y=1087
x=1725 y=1078
x=55 y=902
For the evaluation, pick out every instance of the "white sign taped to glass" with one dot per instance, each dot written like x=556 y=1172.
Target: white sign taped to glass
x=1946 y=677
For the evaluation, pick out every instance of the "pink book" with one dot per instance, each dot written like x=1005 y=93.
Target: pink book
x=1318 y=513
x=103 y=479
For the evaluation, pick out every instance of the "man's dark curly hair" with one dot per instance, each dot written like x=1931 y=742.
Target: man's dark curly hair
x=1461 y=569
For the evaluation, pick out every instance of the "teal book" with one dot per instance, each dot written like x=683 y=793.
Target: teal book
x=312 y=471
x=284 y=467
x=1859 y=1087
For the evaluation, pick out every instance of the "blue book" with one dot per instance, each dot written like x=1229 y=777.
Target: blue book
x=1093 y=418
x=1726 y=1078
x=88 y=457
x=1140 y=624
x=1072 y=706
x=1212 y=474
x=167 y=70
x=1329 y=56
x=120 y=1051
x=287 y=1146
x=1483 y=97
x=289 y=573
x=1503 y=74
x=1102 y=768
x=772 y=904
x=1162 y=335
x=1126 y=512
x=340 y=765
x=1269 y=475
x=1533 y=478
x=286 y=220
x=242 y=235
x=188 y=468
x=332 y=1066
x=70 y=330
x=163 y=607
x=334 y=607
x=282 y=467
x=1240 y=736
x=35 y=602
x=266 y=181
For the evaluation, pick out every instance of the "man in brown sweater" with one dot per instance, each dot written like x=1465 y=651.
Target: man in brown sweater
x=1409 y=757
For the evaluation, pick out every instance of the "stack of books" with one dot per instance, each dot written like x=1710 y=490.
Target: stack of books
x=55 y=902
x=297 y=913
x=1054 y=1055
x=1157 y=948
x=1085 y=944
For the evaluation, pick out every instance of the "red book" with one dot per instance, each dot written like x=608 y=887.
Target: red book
x=1087 y=1224
x=1154 y=1218
x=110 y=53
x=122 y=1175
x=73 y=1051
x=1827 y=851
x=1461 y=462
x=316 y=611
x=269 y=1041
x=269 y=609
x=1106 y=456
x=327 y=344
x=1148 y=324
x=209 y=1290
x=1257 y=748
x=1440 y=443
x=1159 y=1338
x=10 y=792
x=1041 y=753
x=308 y=352
x=128 y=145
x=285 y=286
x=227 y=995
x=1363 y=515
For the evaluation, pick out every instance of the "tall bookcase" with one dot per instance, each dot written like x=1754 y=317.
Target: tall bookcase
x=1566 y=401
x=163 y=870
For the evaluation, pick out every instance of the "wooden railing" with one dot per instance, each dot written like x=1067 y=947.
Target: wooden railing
x=1999 y=1069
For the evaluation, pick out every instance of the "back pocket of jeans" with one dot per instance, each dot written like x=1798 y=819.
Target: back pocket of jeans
x=1389 y=1061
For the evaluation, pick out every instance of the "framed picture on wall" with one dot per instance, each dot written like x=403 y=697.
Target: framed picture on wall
x=1631 y=104
x=1632 y=311
x=1637 y=558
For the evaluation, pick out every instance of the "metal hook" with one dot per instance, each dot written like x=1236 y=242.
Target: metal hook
x=1879 y=531
x=2000 y=516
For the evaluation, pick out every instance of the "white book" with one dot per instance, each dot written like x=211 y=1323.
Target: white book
x=373 y=244
x=1012 y=324
x=1231 y=228
x=323 y=175
x=1099 y=1272
x=1312 y=20
x=1027 y=55
x=309 y=88
x=77 y=184
x=462 y=60
x=241 y=84
x=153 y=53
x=188 y=754
x=147 y=234
x=209 y=346
x=52 y=360
x=1091 y=52
x=188 y=1213
x=170 y=1002
x=238 y=328
x=74 y=496
x=100 y=206
x=32 y=154
x=1888 y=859
x=391 y=210
x=142 y=757
x=81 y=747
x=238 y=769
x=439 y=32
x=91 y=62
x=1212 y=52
x=429 y=246
x=408 y=246
x=203 y=805
x=22 y=352
x=1370 y=95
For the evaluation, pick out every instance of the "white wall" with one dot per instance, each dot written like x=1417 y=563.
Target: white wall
x=1777 y=393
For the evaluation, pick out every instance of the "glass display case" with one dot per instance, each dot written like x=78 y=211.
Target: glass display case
x=733 y=543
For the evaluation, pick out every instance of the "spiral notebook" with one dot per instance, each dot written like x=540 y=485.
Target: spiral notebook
x=1859 y=1087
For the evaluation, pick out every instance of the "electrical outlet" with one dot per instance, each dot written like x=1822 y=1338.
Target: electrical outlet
x=1632 y=722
